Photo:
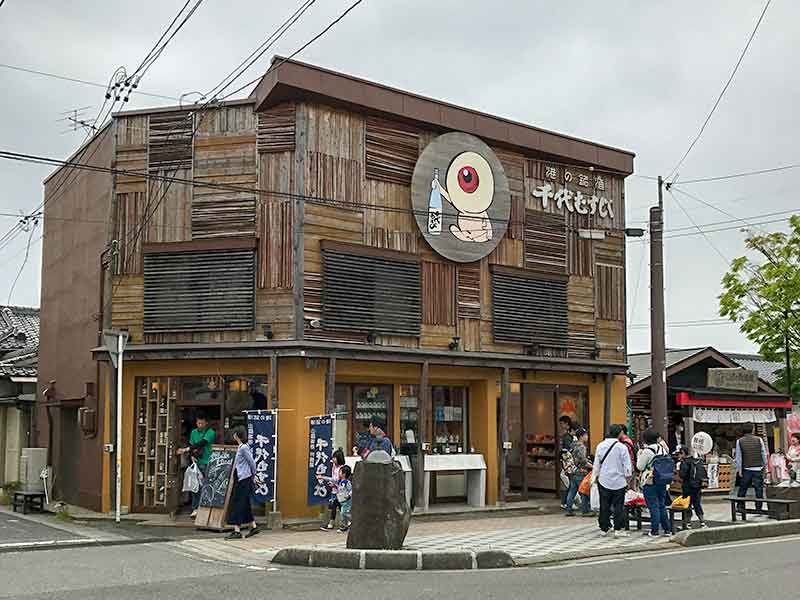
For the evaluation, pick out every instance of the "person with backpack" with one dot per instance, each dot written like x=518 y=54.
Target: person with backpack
x=657 y=471
x=577 y=468
x=693 y=473
x=612 y=467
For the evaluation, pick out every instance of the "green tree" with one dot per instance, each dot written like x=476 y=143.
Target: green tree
x=762 y=294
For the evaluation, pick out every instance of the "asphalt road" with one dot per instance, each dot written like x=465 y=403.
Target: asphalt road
x=766 y=570
x=14 y=529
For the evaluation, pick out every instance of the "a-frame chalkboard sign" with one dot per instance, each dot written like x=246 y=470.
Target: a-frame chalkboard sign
x=215 y=493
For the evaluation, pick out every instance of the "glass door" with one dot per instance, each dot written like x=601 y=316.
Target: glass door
x=516 y=458
x=540 y=446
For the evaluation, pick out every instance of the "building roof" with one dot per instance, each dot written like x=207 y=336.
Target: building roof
x=19 y=328
x=19 y=342
x=639 y=364
x=293 y=79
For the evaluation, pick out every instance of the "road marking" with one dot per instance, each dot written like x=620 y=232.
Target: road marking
x=54 y=543
x=646 y=555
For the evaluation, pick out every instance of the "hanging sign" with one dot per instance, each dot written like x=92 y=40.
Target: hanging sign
x=460 y=197
x=320 y=450
x=263 y=441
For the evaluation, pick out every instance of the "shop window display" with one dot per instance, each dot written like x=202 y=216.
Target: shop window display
x=449 y=419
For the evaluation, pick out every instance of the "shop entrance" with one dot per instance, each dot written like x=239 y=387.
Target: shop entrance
x=533 y=463
x=185 y=421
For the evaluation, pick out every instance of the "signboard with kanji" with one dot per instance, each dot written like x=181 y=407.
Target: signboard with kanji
x=263 y=440
x=320 y=449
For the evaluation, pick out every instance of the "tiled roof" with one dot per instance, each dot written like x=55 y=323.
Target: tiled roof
x=18 y=371
x=767 y=370
x=19 y=328
x=640 y=363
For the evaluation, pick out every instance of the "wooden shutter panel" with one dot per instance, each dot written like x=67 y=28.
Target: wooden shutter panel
x=527 y=309
x=545 y=242
x=170 y=141
x=199 y=290
x=469 y=290
x=370 y=292
x=438 y=293
x=610 y=281
x=276 y=129
x=391 y=150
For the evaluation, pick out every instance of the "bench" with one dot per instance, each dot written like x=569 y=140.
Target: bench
x=634 y=513
x=27 y=501
x=782 y=506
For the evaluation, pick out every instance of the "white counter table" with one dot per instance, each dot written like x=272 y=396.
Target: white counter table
x=473 y=465
x=405 y=463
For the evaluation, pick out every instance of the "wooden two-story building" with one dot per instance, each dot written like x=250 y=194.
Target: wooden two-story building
x=332 y=245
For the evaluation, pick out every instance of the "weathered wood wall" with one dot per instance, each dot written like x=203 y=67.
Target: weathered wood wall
x=355 y=173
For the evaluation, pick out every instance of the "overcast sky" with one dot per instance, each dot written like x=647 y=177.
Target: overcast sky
x=637 y=75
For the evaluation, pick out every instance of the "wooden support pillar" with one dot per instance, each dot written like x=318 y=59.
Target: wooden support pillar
x=330 y=387
x=607 y=404
x=422 y=420
x=273 y=381
x=505 y=392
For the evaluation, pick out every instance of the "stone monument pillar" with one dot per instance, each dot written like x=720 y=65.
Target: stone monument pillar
x=380 y=512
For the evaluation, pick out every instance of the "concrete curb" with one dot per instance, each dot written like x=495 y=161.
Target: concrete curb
x=737 y=533
x=85 y=543
x=395 y=560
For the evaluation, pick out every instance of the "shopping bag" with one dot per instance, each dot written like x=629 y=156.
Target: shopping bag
x=594 y=497
x=634 y=498
x=585 y=487
x=192 y=479
x=564 y=479
x=681 y=502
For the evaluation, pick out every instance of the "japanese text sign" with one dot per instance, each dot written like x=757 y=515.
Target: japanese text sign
x=262 y=439
x=320 y=450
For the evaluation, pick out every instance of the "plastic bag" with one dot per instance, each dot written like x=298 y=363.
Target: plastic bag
x=585 y=487
x=192 y=479
x=634 y=498
x=594 y=497
x=681 y=503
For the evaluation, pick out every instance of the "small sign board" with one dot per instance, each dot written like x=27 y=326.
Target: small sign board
x=744 y=380
x=320 y=450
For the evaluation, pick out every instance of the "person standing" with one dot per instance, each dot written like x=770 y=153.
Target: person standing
x=337 y=462
x=565 y=439
x=655 y=490
x=244 y=470
x=793 y=456
x=693 y=472
x=612 y=467
x=379 y=439
x=200 y=440
x=580 y=469
x=751 y=462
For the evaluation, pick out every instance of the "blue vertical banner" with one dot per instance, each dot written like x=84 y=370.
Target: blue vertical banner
x=263 y=441
x=320 y=450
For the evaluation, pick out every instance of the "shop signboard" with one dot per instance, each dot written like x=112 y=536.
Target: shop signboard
x=744 y=380
x=460 y=197
x=263 y=440
x=320 y=450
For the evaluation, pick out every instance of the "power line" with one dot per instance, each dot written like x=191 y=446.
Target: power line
x=722 y=93
x=82 y=81
x=738 y=175
x=166 y=31
x=24 y=262
x=696 y=226
x=686 y=324
x=638 y=283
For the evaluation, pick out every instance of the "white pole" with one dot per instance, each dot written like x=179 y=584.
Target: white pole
x=118 y=446
x=275 y=460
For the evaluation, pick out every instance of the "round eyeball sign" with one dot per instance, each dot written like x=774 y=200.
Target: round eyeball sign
x=460 y=197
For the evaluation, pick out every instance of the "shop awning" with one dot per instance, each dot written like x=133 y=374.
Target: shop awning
x=734 y=415
x=713 y=398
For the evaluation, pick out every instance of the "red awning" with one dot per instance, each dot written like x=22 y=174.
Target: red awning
x=688 y=399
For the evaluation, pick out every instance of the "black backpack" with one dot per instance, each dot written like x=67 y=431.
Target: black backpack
x=697 y=473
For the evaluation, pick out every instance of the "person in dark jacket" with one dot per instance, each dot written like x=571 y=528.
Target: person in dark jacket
x=692 y=472
x=379 y=440
x=580 y=469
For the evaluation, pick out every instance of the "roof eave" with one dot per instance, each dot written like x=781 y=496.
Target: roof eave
x=293 y=79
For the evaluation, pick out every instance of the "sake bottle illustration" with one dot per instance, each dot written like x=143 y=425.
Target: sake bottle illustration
x=435 y=206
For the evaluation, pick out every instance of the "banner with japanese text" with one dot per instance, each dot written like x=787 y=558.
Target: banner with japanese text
x=320 y=449
x=263 y=444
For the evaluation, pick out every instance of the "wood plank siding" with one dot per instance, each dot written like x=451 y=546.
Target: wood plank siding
x=324 y=194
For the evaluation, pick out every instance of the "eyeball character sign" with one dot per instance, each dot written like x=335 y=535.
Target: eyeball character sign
x=460 y=197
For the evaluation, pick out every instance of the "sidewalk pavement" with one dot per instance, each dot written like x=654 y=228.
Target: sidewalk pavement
x=525 y=538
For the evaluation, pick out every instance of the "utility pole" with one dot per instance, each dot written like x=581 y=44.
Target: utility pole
x=658 y=366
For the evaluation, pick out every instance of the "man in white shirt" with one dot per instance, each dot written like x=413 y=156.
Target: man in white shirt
x=612 y=468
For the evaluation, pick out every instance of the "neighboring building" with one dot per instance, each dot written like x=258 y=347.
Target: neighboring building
x=699 y=401
x=317 y=266
x=19 y=349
